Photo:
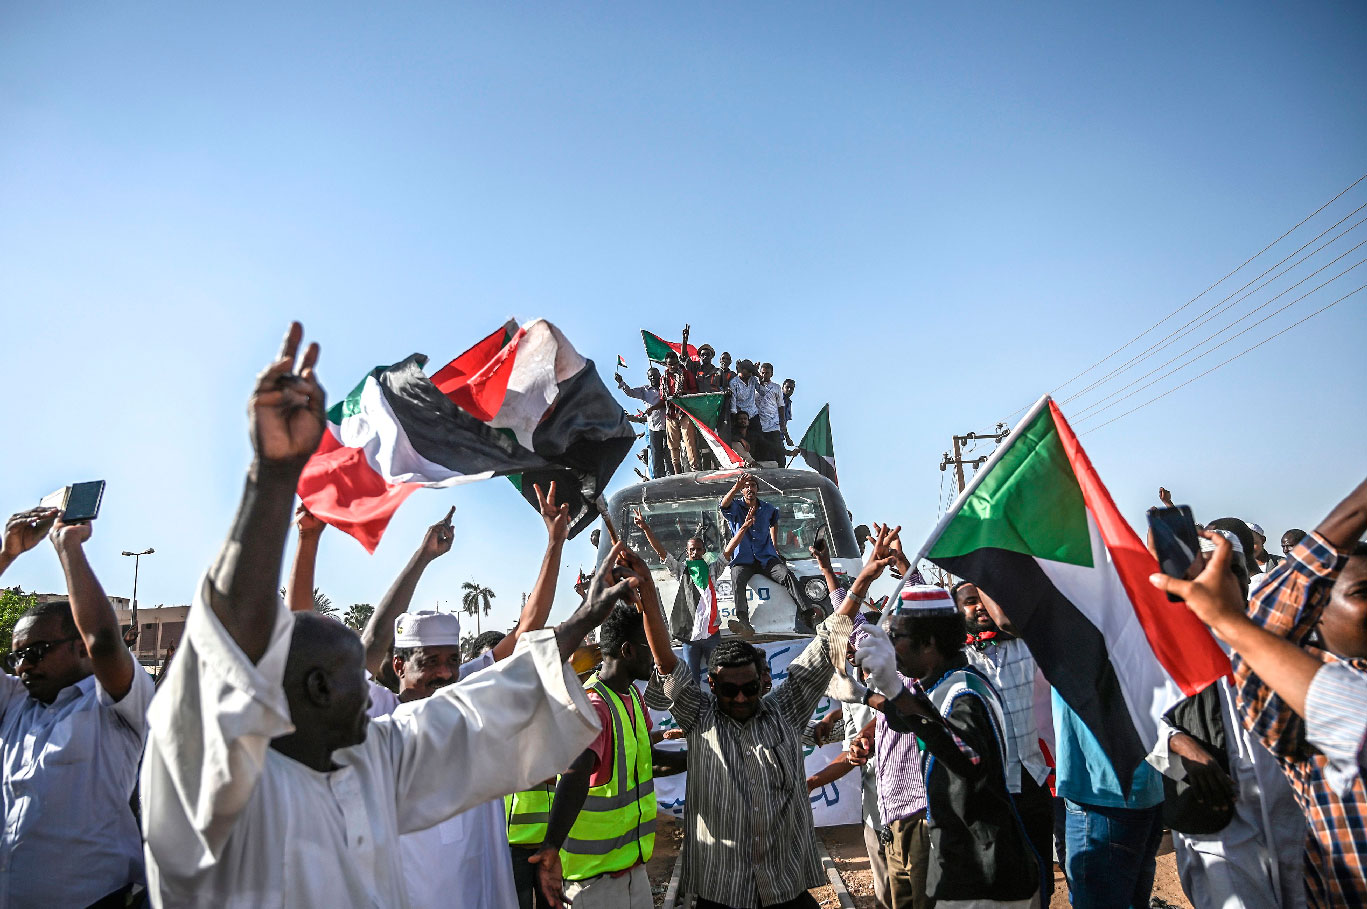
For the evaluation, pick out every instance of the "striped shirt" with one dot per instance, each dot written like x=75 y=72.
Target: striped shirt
x=1336 y=721
x=1289 y=604
x=897 y=761
x=750 y=837
x=1010 y=668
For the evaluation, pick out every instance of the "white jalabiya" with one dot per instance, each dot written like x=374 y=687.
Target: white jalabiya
x=1256 y=861
x=463 y=862
x=230 y=822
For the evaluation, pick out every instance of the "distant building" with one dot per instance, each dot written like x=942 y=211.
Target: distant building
x=161 y=626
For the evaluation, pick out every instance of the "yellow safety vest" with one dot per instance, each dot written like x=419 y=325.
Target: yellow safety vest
x=616 y=828
x=528 y=812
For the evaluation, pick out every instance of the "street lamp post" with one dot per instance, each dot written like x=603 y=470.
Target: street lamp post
x=137 y=556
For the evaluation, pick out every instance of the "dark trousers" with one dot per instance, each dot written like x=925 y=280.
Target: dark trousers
x=908 y=857
x=524 y=877
x=768 y=446
x=659 y=455
x=801 y=901
x=1035 y=807
x=775 y=570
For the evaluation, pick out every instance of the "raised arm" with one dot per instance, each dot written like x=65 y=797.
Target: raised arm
x=1347 y=522
x=95 y=618
x=538 y=606
x=648 y=601
x=24 y=531
x=639 y=520
x=823 y=561
x=1215 y=597
x=299 y=589
x=735 y=489
x=286 y=419
x=739 y=535
x=379 y=630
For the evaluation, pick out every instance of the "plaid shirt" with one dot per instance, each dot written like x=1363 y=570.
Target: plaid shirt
x=1010 y=668
x=1288 y=604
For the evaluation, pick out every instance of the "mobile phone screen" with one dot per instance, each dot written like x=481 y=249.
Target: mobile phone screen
x=1174 y=538
x=83 y=502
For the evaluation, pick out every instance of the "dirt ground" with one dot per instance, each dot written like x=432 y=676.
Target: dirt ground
x=846 y=846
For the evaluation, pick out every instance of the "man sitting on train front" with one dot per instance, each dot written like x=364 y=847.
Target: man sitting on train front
x=757 y=551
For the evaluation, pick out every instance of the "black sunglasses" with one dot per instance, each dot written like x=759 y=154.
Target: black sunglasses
x=33 y=653
x=731 y=689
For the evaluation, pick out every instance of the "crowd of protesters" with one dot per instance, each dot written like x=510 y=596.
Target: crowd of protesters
x=287 y=761
x=753 y=421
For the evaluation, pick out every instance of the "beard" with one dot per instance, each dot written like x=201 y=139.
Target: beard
x=978 y=626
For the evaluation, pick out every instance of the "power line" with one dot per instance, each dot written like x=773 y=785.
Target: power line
x=1197 y=297
x=1231 y=359
x=1218 y=309
x=1097 y=403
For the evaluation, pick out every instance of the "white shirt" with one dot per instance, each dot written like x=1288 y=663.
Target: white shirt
x=857 y=716
x=656 y=418
x=69 y=835
x=231 y=822
x=463 y=861
x=743 y=394
x=769 y=404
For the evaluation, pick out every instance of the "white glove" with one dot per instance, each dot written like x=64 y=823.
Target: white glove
x=875 y=656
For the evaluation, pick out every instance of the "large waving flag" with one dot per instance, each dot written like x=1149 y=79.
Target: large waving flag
x=658 y=349
x=817 y=447
x=521 y=403
x=1037 y=531
x=705 y=412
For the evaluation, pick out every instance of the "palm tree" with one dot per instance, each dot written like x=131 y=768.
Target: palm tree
x=322 y=603
x=358 y=614
x=474 y=598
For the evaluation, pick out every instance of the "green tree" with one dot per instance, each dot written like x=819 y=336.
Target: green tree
x=322 y=603
x=476 y=599
x=358 y=614
x=13 y=603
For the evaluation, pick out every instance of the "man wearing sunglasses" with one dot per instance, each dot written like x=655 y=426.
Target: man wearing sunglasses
x=749 y=837
x=71 y=728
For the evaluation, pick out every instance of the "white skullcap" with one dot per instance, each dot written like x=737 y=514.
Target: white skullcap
x=1256 y=528
x=1208 y=545
x=426 y=629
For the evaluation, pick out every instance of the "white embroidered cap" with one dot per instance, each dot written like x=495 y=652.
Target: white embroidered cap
x=426 y=629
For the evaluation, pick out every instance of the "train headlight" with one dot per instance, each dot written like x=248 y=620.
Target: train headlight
x=815 y=589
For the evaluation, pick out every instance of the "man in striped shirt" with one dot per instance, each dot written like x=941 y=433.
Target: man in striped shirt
x=749 y=837
x=1308 y=616
x=1006 y=661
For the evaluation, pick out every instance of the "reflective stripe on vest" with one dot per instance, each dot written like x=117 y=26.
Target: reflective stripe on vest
x=616 y=827
x=528 y=813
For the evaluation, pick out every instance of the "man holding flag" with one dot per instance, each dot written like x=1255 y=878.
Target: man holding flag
x=695 y=621
x=1038 y=533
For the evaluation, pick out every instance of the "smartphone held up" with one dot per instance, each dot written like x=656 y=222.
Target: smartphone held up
x=1174 y=541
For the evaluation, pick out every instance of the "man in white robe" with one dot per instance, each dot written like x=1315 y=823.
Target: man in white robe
x=264 y=782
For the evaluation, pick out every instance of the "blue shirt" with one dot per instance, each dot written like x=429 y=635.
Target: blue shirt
x=757 y=546
x=1085 y=774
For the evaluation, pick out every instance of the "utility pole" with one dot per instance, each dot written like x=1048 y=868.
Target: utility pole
x=958 y=460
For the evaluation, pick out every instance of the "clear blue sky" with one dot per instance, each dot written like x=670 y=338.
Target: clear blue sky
x=927 y=214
